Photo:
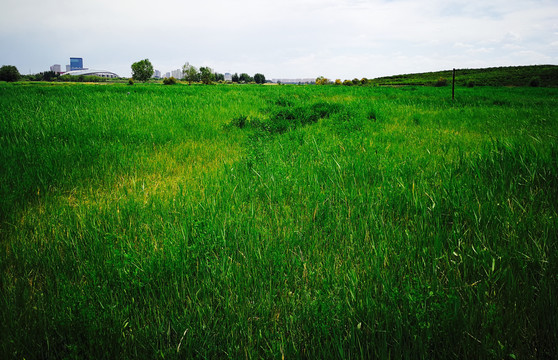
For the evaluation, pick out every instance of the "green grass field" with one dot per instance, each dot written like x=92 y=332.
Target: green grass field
x=154 y=221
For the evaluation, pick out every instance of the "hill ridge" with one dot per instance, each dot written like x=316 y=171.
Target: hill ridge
x=527 y=75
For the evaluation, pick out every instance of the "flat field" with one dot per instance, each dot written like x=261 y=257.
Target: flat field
x=154 y=221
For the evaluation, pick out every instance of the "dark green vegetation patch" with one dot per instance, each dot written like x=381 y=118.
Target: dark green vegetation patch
x=284 y=115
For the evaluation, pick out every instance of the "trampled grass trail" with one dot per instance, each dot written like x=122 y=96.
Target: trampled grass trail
x=153 y=221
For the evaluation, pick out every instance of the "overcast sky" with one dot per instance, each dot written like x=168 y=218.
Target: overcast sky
x=280 y=38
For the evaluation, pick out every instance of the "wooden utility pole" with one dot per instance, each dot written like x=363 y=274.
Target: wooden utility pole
x=453 y=86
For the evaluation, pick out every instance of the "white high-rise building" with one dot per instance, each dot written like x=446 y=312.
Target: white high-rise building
x=57 y=68
x=177 y=74
x=228 y=77
x=157 y=74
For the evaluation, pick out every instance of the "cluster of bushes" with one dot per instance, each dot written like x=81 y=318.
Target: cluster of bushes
x=169 y=81
x=244 y=78
x=206 y=75
x=441 y=81
x=355 y=82
x=284 y=115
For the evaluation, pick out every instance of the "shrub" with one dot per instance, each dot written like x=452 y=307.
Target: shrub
x=290 y=117
x=9 y=73
x=285 y=116
x=322 y=81
x=169 y=81
x=535 y=82
x=441 y=82
x=131 y=82
x=470 y=83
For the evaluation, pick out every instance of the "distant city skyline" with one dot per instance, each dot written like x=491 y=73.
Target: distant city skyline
x=282 y=39
x=78 y=65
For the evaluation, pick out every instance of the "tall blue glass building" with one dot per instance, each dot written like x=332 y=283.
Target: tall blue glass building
x=76 y=64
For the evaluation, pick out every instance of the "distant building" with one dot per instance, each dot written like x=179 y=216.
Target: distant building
x=157 y=74
x=56 y=68
x=76 y=64
x=168 y=75
x=177 y=74
x=99 y=73
x=68 y=68
x=228 y=77
x=294 y=81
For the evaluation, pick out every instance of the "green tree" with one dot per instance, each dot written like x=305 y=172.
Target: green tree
x=259 y=78
x=9 y=73
x=207 y=75
x=142 y=70
x=235 y=78
x=191 y=74
x=49 y=76
x=320 y=80
x=245 y=78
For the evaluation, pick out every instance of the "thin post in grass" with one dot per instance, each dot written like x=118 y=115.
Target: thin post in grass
x=453 y=86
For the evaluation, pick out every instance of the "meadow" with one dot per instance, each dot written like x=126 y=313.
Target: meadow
x=226 y=221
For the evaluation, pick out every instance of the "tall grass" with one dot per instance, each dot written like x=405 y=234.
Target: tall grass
x=256 y=221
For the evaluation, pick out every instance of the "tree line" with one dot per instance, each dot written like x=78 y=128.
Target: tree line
x=143 y=71
x=10 y=73
x=355 y=82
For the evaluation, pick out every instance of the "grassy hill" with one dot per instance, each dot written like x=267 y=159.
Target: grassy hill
x=536 y=75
